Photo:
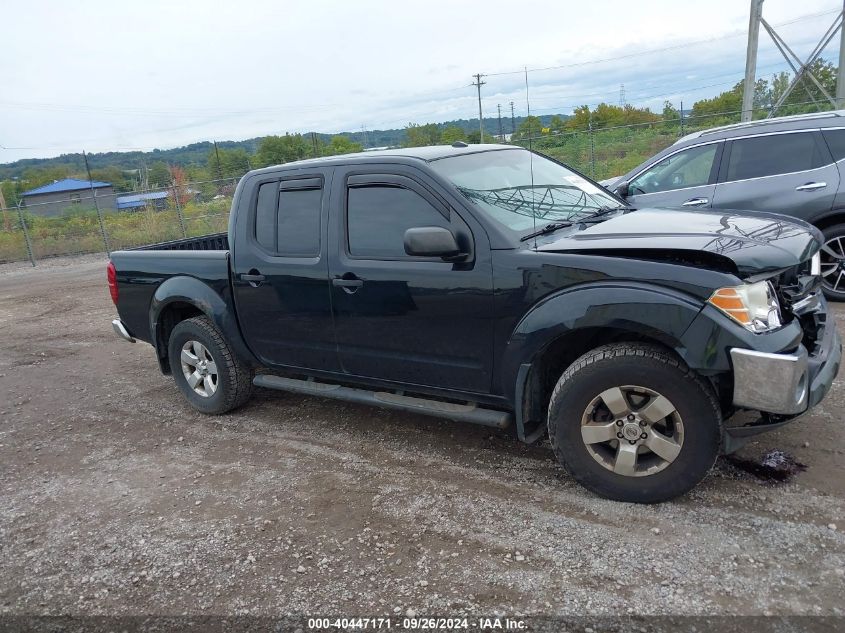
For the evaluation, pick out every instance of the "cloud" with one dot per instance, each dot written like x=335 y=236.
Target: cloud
x=101 y=76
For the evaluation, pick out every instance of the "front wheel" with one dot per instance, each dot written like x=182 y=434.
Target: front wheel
x=833 y=263
x=205 y=368
x=632 y=423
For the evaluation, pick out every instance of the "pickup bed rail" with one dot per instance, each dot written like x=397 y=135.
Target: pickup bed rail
x=213 y=242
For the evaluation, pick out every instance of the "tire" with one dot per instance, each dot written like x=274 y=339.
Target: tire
x=833 y=268
x=225 y=382
x=689 y=435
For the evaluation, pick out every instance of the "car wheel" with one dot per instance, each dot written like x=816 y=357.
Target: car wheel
x=632 y=423
x=833 y=262
x=205 y=368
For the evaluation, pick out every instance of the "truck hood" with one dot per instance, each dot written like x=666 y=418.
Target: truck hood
x=750 y=242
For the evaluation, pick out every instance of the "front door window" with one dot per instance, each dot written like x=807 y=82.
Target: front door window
x=688 y=168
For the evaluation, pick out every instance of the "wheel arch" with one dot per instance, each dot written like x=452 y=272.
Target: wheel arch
x=181 y=298
x=830 y=219
x=571 y=323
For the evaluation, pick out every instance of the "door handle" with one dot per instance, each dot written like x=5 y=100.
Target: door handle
x=254 y=278
x=696 y=202
x=811 y=186
x=350 y=286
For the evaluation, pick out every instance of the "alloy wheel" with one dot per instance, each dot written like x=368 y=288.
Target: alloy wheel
x=833 y=265
x=199 y=368
x=632 y=431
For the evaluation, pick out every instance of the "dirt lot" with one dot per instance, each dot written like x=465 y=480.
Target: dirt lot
x=117 y=498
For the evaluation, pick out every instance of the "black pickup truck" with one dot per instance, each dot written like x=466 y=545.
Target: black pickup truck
x=494 y=285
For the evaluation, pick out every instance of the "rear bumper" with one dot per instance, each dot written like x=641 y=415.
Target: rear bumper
x=121 y=331
x=786 y=384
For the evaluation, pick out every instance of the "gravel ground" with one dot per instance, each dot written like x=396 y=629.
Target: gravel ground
x=119 y=499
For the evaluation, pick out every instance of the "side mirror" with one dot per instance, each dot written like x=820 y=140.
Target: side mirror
x=431 y=241
x=622 y=189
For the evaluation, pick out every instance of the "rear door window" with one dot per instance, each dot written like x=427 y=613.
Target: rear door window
x=773 y=154
x=287 y=217
x=836 y=142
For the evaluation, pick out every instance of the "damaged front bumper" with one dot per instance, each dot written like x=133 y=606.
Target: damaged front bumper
x=782 y=386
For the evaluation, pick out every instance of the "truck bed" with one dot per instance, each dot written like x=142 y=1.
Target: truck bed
x=213 y=242
x=197 y=263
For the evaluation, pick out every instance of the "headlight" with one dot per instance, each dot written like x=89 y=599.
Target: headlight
x=755 y=306
x=816 y=264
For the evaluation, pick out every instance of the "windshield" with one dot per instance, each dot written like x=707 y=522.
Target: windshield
x=500 y=182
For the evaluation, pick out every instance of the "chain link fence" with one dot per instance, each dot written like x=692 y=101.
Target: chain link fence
x=74 y=224
x=89 y=222
x=606 y=151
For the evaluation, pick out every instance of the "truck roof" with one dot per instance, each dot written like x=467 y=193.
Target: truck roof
x=428 y=153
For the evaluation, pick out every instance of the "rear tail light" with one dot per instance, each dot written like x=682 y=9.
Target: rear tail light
x=111 y=273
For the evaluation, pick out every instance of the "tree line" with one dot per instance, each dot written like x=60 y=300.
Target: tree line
x=233 y=159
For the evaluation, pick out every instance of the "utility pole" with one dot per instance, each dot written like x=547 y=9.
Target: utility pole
x=802 y=68
x=513 y=122
x=217 y=153
x=478 y=83
x=501 y=131
x=96 y=205
x=682 y=118
x=6 y=224
x=622 y=95
x=751 y=60
x=840 y=75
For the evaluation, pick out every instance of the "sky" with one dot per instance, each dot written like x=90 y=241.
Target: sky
x=117 y=76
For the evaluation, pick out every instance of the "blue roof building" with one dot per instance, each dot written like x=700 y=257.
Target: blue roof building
x=66 y=186
x=63 y=195
x=136 y=201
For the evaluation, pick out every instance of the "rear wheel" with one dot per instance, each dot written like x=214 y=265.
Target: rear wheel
x=632 y=423
x=205 y=369
x=833 y=262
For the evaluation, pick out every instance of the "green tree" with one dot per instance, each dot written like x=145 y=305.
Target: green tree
x=805 y=92
x=421 y=135
x=228 y=163
x=117 y=177
x=606 y=115
x=275 y=150
x=341 y=145
x=671 y=116
x=11 y=192
x=531 y=126
x=451 y=134
x=34 y=177
x=158 y=175
x=557 y=124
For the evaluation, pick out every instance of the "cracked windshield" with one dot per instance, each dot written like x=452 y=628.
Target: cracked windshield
x=514 y=187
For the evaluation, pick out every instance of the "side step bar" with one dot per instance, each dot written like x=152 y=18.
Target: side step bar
x=469 y=412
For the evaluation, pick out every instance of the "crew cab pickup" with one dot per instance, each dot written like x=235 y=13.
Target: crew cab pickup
x=491 y=284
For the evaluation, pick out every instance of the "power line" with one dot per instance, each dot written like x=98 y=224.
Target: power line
x=655 y=50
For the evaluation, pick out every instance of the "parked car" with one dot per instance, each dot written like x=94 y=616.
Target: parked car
x=793 y=165
x=492 y=285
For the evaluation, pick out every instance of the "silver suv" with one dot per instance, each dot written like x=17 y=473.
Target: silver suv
x=791 y=165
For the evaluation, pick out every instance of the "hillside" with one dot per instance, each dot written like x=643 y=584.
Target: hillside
x=197 y=153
